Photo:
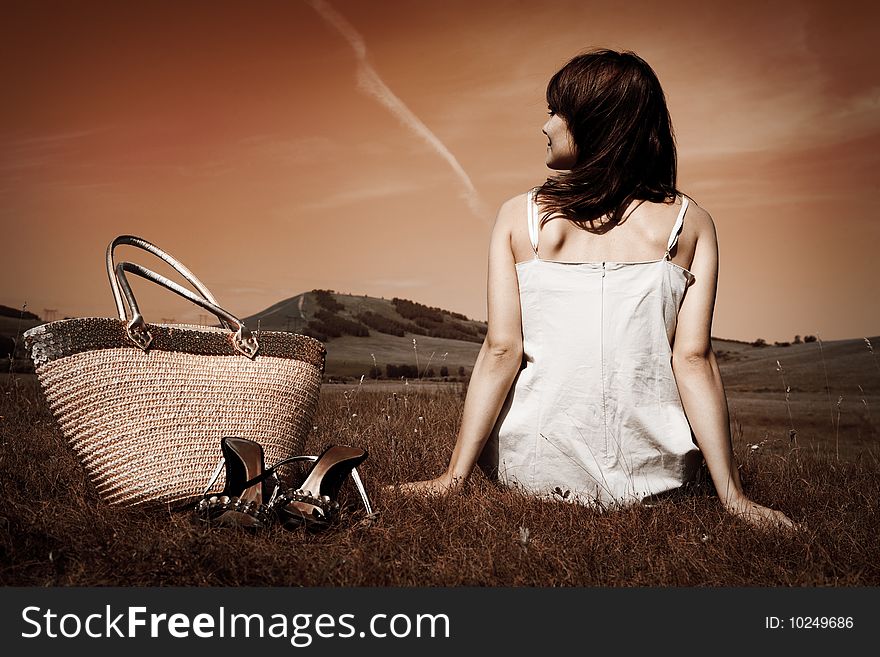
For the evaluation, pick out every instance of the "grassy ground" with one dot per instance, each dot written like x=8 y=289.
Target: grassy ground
x=54 y=531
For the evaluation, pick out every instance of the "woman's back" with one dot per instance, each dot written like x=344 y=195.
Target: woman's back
x=595 y=411
x=642 y=236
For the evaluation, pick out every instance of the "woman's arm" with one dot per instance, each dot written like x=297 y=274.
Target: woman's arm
x=497 y=364
x=699 y=380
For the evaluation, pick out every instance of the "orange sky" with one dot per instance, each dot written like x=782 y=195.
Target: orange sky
x=238 y=137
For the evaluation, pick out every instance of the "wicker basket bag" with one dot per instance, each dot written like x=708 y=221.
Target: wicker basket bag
x=144 y=406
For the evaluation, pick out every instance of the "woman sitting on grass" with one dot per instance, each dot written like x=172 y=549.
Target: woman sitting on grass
x=597 y=382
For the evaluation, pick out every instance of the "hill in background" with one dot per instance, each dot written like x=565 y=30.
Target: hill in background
x=379 y=337
x=325 y=314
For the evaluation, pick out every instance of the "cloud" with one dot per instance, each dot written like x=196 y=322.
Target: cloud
x=371 y=83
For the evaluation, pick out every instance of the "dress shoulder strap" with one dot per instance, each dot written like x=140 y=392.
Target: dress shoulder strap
x=676 y=229
x=533 y=219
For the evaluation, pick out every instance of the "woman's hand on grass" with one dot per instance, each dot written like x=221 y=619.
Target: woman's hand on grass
x=438 y=487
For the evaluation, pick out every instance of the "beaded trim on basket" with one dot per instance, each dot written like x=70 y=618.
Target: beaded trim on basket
x=63 y=338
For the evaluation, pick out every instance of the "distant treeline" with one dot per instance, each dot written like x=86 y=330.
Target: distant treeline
x=412 y=372
x=314 y=330
x=385 y=324
x=329 y=325
x=413 y=310
x=761 y=342
x=422 y=326
x=431 y=322
x=451 y=330
x=425 y=320
x=325 y=300
x=6 y=311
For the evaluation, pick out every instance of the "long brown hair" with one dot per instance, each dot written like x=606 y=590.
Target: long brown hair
x=615 y=110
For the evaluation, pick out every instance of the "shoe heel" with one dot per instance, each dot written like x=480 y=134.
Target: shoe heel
x=242 y=502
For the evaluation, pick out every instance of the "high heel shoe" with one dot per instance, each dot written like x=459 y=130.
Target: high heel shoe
x=314 y=503
x=245 y=500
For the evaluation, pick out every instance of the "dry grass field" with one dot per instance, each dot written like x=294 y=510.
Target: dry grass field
x=807 y=452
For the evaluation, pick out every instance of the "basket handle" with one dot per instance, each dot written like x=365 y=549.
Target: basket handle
x=243 y=340
x=144 y=245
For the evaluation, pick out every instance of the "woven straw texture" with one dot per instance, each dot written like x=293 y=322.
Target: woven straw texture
x=147 y=425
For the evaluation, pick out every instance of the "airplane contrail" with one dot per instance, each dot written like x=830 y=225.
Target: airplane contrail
x=370 y=82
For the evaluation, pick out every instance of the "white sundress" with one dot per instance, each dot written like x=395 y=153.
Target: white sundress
x=594 y=415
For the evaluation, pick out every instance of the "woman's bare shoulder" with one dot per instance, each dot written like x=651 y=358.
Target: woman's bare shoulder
x=513 y=207
x=511 y=217
x=697 y=219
